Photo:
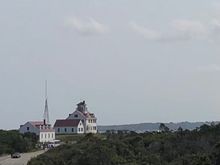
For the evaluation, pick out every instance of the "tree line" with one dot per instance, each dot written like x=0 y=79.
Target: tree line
x=12 y=141
x=182 y=147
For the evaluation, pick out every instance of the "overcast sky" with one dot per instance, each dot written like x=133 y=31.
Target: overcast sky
x=132 y=61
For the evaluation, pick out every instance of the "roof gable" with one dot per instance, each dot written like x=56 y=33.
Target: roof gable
x=84 y=115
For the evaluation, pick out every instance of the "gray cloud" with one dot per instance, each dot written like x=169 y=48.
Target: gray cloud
x=209 y=68
x=189 y=29
x=216 y=6
x=181 y=30
x=86 y=27
x=215 y=29
x=145 y=32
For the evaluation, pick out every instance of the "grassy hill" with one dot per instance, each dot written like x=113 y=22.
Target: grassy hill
x=183 y=147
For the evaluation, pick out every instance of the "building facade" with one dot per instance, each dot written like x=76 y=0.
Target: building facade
x=69 y=126
x=40 y=128
x=87 y=119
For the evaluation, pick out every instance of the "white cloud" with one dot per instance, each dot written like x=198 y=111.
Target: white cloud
x=189 y=29
x=87 y=27
x=209 y=68
x=145 y=32
x=179 y=30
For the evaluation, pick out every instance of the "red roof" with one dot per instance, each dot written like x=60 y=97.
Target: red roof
x=47 y=130
x=67 y=123
x=87 y=115
x=35 y=123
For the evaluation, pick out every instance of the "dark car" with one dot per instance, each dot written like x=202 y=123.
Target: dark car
x=15 y=155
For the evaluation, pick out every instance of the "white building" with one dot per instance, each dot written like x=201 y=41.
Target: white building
x=69 y=126
x=88 y=120
x=40 y=128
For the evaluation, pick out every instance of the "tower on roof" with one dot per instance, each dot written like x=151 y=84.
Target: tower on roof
x=82 y=107
x=46 y=111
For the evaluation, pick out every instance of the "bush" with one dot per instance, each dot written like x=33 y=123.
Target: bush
x=197 y=147
x=13 y=141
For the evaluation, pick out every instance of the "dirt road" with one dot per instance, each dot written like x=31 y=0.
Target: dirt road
x=7 y=160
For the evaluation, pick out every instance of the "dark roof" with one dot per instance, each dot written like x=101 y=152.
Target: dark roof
x=67 y=123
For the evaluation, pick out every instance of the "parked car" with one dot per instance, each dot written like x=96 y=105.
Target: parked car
x=15 y=155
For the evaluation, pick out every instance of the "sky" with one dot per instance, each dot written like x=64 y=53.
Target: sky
x=131 y=61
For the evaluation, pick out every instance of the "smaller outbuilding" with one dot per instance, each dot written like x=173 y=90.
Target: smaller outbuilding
x=69 y=126
x=40 y=128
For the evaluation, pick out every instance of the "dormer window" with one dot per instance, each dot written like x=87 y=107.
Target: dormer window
x=76 y=115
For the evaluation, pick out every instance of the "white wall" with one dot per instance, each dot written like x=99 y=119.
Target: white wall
x=65 y=130
x=68 y=130
x=46 y=136
x=90 y=127
x=24 y=129
x=80 y=128
x=43 y=136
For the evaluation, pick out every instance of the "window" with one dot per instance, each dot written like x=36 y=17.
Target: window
x=41 y=136
x=52 y=135
x=28 y=128
x=45 y=136
x=48 y=135
x=58 y=130
x=94 y=128
x=76 y=115
x=79 y=129
x=65 y=129
x=72 y=129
